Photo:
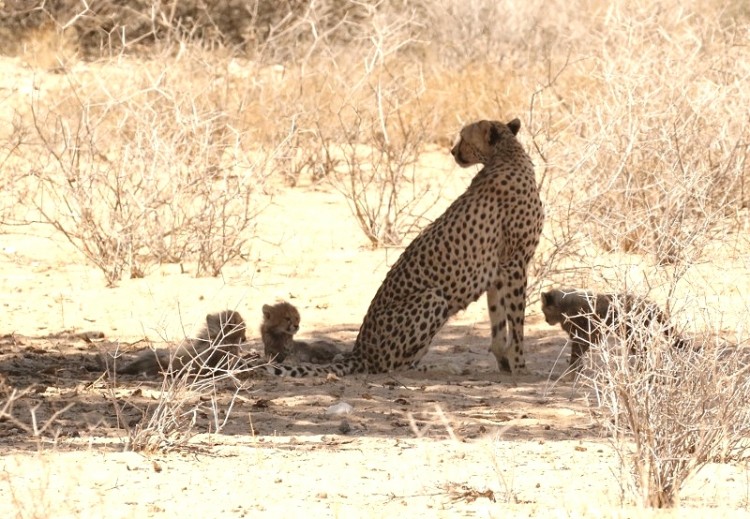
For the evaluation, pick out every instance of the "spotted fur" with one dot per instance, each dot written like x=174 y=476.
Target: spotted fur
x=483 y=243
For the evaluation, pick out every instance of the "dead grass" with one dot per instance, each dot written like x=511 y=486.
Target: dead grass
x=659 y=137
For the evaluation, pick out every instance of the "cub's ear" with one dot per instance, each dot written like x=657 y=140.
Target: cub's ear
x=213 y=319
x=514 y=126
x=266 y=312
x=546 y=298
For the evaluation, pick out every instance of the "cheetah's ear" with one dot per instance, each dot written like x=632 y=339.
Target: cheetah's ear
x=493 y=135
x=514 y=126
x=546 y=298
x=266 y=311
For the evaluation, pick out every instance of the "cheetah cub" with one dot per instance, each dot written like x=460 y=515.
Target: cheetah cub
x=584 y=315
x=214 y=347
x=280 y=323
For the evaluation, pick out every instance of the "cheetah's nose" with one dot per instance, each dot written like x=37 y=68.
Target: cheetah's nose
x=454 y=150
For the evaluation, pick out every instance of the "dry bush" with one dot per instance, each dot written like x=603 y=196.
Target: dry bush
x=665 y=151
x=670 y=411
x=368 y=139
x=170 y=423
x=379 y=180
x=11 y=188
x=151 y=173
x=105 y=27
x=373 y=62
x=186 y=395
x=634 y=113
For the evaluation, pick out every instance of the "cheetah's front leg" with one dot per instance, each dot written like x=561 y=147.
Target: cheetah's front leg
x=506 y=301
x=499 y=328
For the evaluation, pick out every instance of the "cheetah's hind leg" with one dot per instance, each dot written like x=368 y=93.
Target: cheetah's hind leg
x=398 y=335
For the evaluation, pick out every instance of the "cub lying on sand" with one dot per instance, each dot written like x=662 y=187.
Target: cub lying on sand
x=584 y=315
x=280 y=323
x=215 y=346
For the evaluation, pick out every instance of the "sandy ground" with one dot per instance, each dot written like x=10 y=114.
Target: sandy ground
x=459 y=440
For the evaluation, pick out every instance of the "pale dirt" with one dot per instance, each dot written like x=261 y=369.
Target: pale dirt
x=416 y=444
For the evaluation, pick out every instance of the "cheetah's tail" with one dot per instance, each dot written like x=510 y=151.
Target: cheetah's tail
x=349 y=365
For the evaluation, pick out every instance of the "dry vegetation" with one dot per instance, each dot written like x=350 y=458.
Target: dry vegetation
x=157 y=132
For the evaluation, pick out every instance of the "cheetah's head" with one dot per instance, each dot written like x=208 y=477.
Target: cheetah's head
x=480 y=141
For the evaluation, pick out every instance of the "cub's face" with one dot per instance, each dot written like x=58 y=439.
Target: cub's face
x=550 y=308
x=281 y=318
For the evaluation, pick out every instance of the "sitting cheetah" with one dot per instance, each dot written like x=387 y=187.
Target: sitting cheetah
x=583 y=315
x=280 y=323
x=216 y=343
x=482 y=243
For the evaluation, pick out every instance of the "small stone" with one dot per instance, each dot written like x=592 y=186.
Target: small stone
x=340 y=408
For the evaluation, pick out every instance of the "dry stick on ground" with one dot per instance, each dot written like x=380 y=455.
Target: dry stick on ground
x=33 y=427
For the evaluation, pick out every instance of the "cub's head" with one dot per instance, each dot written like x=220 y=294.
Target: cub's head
x=281 y=318
x=551 y=307
x=479 y=142
x=561 y=304
x=227 y=326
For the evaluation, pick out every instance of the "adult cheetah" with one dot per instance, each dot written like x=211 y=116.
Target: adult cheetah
x=482 y=243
